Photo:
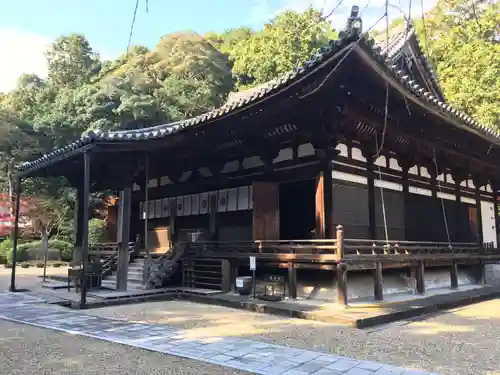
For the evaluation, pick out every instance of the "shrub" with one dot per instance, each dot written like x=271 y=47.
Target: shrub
x=21 y=254
x=7 y=265
x=97 y=231
x=39 y=265
x=65 y=248
x=5 y=246
x=57 y=264
x=25 y=265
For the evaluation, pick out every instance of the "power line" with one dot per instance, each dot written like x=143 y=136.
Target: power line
x=132 y=25
x=340 y=61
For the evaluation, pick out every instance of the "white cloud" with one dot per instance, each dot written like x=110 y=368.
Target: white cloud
x=21 y=53
x=266 y=9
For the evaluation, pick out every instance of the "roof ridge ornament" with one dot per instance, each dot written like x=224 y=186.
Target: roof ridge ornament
x=354 y=26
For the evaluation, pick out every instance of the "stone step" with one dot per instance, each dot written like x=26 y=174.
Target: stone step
x=111 y=284
x=135 y=268
x=132 y=278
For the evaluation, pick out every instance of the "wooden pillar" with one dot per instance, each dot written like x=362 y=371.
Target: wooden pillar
x=481 y=273
x=320 y=206
x=226 y=275
x=479 y=217
x=458 y=200
x=454 y=275
x=420 y=277
x=234 y=274
x=378 y=284
x=85 y=227
x=342 y=283
x=406 y=197
x=341 y=268
x=292 y=281
x=172 y=230
x=78 y=226
x=434 y=182
x=324 y=195
x=370 y=174
x=495 y=187
x=147 y=261
x=212 y=212
x=328 y=195
x=124 y=213
x=15 y=234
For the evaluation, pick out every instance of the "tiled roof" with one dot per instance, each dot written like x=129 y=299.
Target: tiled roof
x=397 y=40
x=261 y=92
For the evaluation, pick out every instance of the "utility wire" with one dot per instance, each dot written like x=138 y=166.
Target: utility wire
x=340 y=62
x=132 y=25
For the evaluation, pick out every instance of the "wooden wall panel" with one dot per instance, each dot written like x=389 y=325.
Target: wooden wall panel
x=265 y=211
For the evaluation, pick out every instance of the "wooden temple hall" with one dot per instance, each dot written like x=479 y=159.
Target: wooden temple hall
x=341 y=176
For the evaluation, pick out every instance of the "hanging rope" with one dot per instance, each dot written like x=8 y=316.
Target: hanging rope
x=382 y=198
x=441 y=199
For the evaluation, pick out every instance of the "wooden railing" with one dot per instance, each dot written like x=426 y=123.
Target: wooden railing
x=340 y=249
x=164 y=267
x=107 y=254
x=298 y=249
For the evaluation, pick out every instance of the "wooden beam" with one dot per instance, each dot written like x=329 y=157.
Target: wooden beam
x=398 y=131
x=420 y=277
x=85 y=228
x=123 y=238
x=370 y=175
x=292 y=281
x=378 y=284
x=454 y=275
x=479 y=217
x=320 y=205
x=342 y=284
x=226 y=275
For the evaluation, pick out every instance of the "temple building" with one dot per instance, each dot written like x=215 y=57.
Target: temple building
x=353 y=163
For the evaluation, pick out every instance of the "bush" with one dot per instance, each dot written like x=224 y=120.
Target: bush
x=39 y=265
x=25 y=265
x=5 y=246
x=65 y=248
x=57 y=264
x=97 y=231
x=21 y=254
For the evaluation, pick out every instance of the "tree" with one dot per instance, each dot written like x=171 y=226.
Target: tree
x=463 y=47
x=71 y=61
x=287 y=41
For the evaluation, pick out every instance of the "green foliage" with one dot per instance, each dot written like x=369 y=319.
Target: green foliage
x=287 y=41
x=186 y=74
x=462 y=47
x=65 y=249
x=97 y=231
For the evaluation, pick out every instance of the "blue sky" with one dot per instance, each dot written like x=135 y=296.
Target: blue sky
x=27 y=26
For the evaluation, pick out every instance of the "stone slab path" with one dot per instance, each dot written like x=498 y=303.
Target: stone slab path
x=252 y=356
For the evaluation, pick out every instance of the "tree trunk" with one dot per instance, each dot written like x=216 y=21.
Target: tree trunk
x=12 y=199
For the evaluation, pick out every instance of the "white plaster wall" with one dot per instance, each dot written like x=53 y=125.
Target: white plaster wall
x=488 y=221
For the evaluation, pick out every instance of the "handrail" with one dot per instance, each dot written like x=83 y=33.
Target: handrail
x=447 y=244
x=166 y=265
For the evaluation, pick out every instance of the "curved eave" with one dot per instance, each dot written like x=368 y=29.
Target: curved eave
x=417 y=94
x=160 y=131
x=364 y=46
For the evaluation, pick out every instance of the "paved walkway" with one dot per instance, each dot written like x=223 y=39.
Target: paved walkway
x=248 y=355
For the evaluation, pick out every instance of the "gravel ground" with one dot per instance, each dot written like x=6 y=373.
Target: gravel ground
x=35 y=351
x=459 y=342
